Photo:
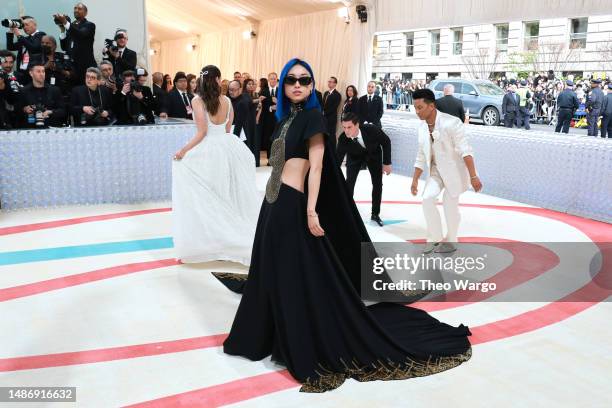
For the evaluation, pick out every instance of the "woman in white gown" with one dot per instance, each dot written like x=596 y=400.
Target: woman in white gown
x=215 y=202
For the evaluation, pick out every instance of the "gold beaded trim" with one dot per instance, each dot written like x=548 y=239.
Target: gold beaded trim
x=230 y=275
x=277 y=160
x=385 y=371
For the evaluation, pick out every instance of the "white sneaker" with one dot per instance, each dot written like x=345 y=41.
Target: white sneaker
x=430 y=247
x=445 y=248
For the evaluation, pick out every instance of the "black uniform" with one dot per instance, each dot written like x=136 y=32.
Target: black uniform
x=593 y=106
x=606 y=112
x=568 y=103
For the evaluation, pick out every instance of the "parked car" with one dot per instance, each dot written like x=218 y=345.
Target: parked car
x=482 y=98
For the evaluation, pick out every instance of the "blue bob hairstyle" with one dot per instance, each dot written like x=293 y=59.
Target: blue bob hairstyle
x=283 y=103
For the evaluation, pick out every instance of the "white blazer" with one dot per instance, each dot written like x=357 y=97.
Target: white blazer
x=450 y=147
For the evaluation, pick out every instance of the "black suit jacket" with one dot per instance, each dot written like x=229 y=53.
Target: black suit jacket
x=371 y=112
x=31 y=44
x=241 y=106
x=78 y=44
x=376 y=141
x=175 y=105
x=319 y=97
x=50 y=97
x=126 y=62
x=331 y=101
x=128 y=106
x=160 y=96
x=451 y=105
x=81 y=96
x=510 y=103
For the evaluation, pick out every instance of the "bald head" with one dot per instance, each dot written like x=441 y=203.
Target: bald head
x=158 y=78
x=449 y=89
x=234 y=88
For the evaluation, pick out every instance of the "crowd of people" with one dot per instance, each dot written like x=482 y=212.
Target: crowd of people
x=41 y=86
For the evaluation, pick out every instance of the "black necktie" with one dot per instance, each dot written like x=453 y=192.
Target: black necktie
x=369 y=99
x=185 y=99
x=273 y=93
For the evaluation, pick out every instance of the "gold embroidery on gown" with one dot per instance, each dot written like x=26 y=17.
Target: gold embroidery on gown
x=277 y=157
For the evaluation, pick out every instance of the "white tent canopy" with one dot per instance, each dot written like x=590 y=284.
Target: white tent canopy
x=185 y=35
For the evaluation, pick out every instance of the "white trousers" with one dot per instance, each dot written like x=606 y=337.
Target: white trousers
x=432 y=216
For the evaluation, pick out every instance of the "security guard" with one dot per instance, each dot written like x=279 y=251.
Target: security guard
x=568 y=103
x=593 y=106
x=524 y=113
x=606 y=112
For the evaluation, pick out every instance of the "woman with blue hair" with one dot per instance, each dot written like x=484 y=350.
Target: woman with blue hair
x=301 y=302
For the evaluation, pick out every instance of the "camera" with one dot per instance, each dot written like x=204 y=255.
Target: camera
x=140 y=119
x=10 y=80
x=111 y=45
x=37 y=117
x=95 y=117
x=56 y=19
x=12 y=23
x=135 y=86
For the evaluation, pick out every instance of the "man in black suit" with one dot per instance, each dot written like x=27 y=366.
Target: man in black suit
x=178 y=102
x=241 y=103
x=365 y=144
x=58 y=66
x=160 y=95
x=27 y=45
x=319 y=97
x=134 y=103
x=77 y=39
x=40 y=104
x=122 y=58
x=510 y=106
x=91 y=104
x=371 y=107
x=449 y=104
x=331 y=101
x=268 y=106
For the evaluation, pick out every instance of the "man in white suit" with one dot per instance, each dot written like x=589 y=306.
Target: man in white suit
x=445 y=152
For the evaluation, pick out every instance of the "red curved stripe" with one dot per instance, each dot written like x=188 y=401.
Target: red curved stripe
x=30 y=289
x=529 y=261
x=17 y=229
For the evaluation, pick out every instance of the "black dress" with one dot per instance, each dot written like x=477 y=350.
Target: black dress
x=299 y=302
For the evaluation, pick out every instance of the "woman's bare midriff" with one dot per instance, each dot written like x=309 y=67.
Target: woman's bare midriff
x=294 y=172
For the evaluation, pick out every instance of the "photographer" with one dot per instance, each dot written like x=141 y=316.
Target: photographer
x=12 y=87
x=135 y=104
x=108 y=76
x=116 y=51
x=58 y=66
x=77 y=39
x=40 y=104
x=26 y=45
x=91 y=104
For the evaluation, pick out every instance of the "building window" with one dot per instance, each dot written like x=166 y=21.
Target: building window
x=501 y=37
x=457 y=41
x=454 y=74
x=409 y=44
x=435 y=42
x=532 y=32
x=578 y=32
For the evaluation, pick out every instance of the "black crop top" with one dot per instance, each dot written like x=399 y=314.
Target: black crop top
x=304 y=125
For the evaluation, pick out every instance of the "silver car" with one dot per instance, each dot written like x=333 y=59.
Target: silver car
x=482 y=98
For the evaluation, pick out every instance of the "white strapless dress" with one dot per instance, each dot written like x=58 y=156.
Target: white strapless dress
x=215 y=202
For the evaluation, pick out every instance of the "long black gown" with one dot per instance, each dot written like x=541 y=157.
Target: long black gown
x=300 y=303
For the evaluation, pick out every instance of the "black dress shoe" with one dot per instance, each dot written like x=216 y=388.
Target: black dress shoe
x=377 y=219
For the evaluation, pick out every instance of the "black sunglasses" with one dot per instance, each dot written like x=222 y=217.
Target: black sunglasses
x=304 y=81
